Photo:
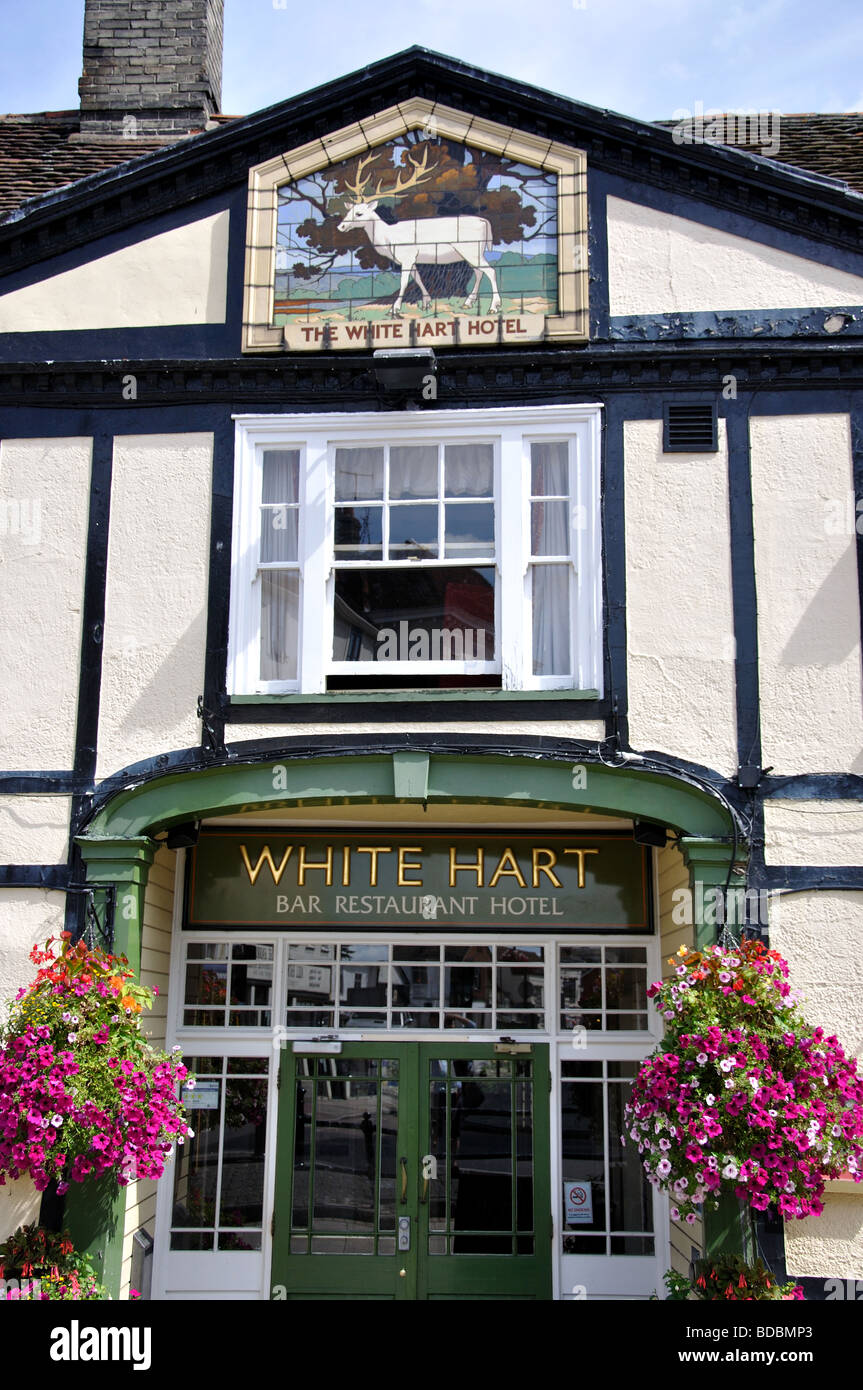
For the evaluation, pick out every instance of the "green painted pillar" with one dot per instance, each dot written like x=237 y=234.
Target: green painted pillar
x=95 y=1211
x=707 y=861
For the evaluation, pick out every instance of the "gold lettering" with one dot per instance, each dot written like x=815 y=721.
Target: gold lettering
x=405 y=864
x=545 y=868
x=580 y=854
x=374 y=851
x=305 y=864
x=514 y=872
x=475 y=867
x=346 y=866
x=265 y=858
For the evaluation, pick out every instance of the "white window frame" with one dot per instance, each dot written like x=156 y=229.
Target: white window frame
x=512 y=430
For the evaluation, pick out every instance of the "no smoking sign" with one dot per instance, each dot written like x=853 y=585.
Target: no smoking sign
x=578 y=1203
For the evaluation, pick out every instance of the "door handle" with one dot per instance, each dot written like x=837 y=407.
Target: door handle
x=404 y=1164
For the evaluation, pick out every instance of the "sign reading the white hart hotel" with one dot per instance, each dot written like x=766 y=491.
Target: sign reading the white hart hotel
x=451 y=232
x=393 y=879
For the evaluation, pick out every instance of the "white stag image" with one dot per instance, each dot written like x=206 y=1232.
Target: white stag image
x=424 y=241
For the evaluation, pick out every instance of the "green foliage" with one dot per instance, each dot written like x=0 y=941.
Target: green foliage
x=43 y=1265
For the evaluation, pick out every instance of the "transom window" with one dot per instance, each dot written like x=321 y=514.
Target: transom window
x=363 y=985
x=371 y=553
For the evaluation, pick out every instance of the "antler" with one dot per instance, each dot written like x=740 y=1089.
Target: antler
x=358 y=188
x=420 y=175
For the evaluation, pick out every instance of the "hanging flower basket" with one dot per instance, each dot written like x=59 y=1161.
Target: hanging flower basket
x=82 y=1092
x=743 y=1096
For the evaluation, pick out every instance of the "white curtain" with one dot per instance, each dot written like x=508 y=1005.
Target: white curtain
x=280 y=596
x=468 y=470
x=550 y=535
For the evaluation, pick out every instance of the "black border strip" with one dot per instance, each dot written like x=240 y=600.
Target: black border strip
x=34 y=875
x=744 y=596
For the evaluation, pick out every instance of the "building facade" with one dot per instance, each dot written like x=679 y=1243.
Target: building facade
x=414 y=635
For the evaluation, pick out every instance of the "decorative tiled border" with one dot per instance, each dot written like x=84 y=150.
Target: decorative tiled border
x=570 y=166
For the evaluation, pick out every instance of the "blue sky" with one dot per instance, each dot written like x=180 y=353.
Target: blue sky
x=645 y=58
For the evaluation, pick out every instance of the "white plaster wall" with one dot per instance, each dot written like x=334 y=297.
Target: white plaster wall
x=808 y=607
x=820 y=934
x=19 y=1205
x=156 y=598
x=28 y=916
x=680 y=643
x=44 y=503
x=659 y=263
x=34 y=829
x=177 y=277
x=830 y=1244
x=813 y=832
x=589 y=730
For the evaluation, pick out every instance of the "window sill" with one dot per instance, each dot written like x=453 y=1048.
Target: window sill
x=353 y=697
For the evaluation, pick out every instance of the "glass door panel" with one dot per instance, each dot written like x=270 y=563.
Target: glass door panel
x=484 y=1207
x=342 y=1130
x=413 y=1171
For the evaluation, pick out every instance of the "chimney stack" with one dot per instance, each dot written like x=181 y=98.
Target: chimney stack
x=152 y=68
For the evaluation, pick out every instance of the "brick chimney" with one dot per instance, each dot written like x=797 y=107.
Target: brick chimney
x=152 y=68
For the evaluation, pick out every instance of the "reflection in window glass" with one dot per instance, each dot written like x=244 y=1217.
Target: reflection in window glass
x=232 y=986
x=614 y=1214
x=219 y=1170
x=604 y=988
x=360 y=985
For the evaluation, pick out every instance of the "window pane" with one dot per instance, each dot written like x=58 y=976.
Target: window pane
x=631 y=1198
x=583 y=1148
x=549 y=529
x=589 y=955
x=549 y=475
x=581 y=989
x=281 y=475
x=521 y=988
x=469 y=529
x=418 y=615
x=413 y=531
x=279 y=534
x=243 y=1154
x=196 y=1166
x=626 y=989
x=359 y=475
x=206 y=984
x=413 y=471
x=468 y=987
x=468 y=470
x=374 y=950
x=551 y=620
x=280 y=598
x=359 y=533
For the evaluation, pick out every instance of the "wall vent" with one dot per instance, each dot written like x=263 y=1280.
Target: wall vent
x=690 y=428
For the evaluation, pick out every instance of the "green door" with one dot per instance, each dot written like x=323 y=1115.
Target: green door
x=413 y=1171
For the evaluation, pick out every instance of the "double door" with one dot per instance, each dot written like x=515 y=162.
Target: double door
x=414 y=1171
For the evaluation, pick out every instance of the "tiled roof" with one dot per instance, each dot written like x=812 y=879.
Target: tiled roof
x=37 y=154
x=830 y=145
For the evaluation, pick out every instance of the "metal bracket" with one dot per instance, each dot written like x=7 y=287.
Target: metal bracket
x=94 y=927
